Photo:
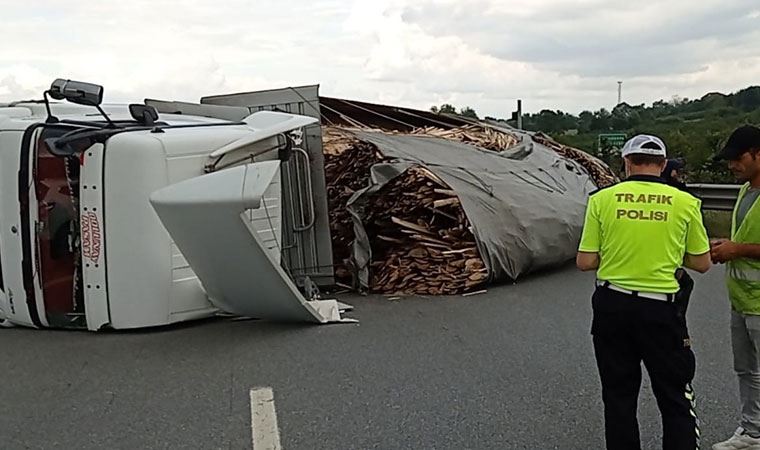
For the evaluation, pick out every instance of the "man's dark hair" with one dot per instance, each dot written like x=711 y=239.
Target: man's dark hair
x=641 y=159
x=745 y=139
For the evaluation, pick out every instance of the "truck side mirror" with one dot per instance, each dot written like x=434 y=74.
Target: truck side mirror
x=56 y=89
x=77 y=92
x=144 y=114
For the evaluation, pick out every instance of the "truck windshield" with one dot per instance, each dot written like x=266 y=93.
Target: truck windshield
x=56 y=182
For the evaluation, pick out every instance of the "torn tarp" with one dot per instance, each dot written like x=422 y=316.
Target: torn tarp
x=525 y=205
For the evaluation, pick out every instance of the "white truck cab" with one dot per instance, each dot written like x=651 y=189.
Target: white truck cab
x=82 y=246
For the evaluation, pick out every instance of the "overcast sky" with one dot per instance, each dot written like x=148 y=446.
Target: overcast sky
x=557 y=54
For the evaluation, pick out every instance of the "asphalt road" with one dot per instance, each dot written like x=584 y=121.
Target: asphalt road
x=510 y=369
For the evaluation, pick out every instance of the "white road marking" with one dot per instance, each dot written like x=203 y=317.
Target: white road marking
x=266 y=434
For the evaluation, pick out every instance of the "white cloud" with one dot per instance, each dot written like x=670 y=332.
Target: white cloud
x=558 y=54
x=22 y=81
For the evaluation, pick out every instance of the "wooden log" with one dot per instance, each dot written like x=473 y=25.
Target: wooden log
x=443 y=213
x=445 y=202
x=430 y=239
x=410 y=225
x=460 y=251
x=389 y=239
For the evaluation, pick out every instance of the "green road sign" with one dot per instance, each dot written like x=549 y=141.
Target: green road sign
x=611 y=141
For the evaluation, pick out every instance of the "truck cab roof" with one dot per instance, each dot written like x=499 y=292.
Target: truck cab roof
x=21 y=115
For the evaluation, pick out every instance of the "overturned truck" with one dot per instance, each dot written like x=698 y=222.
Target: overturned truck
x=120 y=217
x=130 y=216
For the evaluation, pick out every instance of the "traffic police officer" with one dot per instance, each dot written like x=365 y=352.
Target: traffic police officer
x=636 y=234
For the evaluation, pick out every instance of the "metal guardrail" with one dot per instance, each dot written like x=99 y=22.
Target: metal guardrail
x=716 y=197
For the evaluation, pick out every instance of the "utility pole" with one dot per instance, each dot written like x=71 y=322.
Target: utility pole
x=620 y=92
x=519 y=114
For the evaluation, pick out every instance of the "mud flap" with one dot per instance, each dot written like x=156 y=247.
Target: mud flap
x=205 y=217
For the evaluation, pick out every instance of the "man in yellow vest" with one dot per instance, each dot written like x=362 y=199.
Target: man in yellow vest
x=742 y=255
x=636 y=235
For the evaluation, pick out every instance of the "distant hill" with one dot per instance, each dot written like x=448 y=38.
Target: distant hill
x=693 y=129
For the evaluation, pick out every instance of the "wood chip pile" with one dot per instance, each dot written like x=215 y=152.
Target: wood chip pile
x=420 y=236
x=487 y=138
x=499 y=141
x=347 y=169
x=599 y=172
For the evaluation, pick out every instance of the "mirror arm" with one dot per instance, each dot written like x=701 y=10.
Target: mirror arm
x=50 y=117
x=108 y=119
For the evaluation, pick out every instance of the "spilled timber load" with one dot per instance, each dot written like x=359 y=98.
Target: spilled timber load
x=443 y=211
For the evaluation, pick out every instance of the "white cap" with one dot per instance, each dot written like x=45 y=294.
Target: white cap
x=644 y=144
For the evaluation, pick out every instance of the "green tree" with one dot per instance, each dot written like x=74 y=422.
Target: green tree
x=602 y=120
x=444 y=109
x=585 y=121
x=468 y=112
x=747 y=99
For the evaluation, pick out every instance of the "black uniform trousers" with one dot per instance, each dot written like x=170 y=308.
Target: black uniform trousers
x=628 y=330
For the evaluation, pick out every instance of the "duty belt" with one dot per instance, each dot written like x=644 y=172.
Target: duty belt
x=650 y=295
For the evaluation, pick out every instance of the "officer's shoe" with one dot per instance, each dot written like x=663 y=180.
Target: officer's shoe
x=740 y=440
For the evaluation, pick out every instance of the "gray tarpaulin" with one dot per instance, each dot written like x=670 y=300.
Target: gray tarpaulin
x=526 y=205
